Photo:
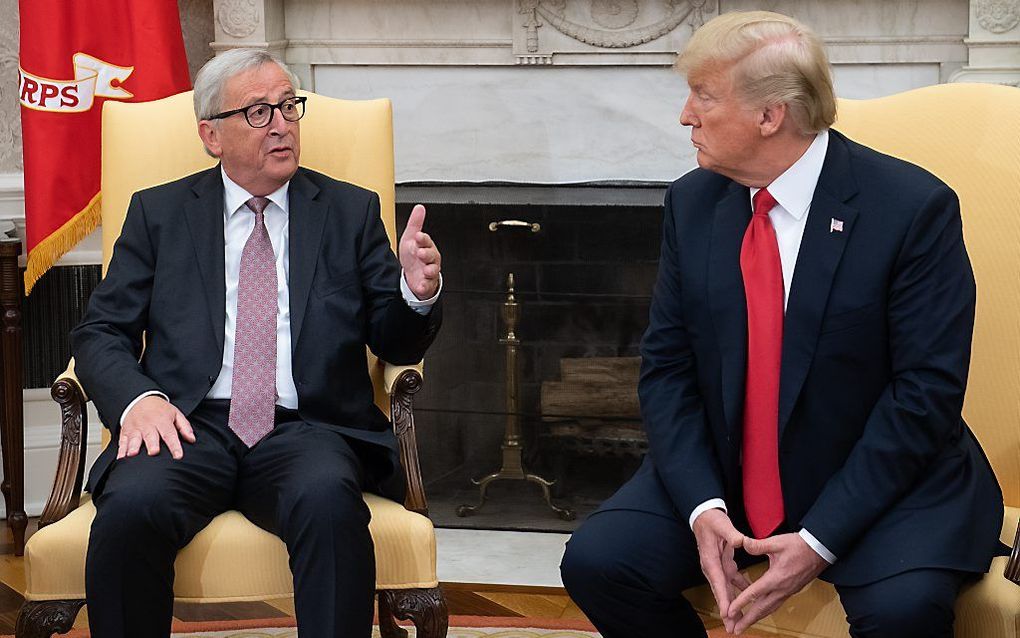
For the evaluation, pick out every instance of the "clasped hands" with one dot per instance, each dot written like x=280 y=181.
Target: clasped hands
x=792 y=565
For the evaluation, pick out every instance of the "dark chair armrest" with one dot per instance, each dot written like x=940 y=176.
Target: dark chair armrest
x=1013 y=565
x=64 y=497
x=402 y=382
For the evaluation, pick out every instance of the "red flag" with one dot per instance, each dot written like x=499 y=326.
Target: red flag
x=74 y=57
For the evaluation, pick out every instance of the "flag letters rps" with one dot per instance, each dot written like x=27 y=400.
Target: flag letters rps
x=74 y=57
x=93 y=78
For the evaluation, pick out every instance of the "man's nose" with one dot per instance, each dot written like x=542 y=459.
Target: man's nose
x=687 y=118
x=277 y=124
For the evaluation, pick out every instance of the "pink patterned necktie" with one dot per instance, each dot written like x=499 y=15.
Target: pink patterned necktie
x=253 y=393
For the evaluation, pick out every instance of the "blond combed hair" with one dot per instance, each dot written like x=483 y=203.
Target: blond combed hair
x=773 y=58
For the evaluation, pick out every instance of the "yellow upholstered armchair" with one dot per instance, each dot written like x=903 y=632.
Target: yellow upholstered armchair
x=232 y=559
x=969 y=136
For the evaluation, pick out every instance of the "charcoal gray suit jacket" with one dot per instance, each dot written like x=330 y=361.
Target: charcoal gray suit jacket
x=166 y=280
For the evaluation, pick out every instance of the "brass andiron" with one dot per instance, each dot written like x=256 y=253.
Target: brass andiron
x=513 y=463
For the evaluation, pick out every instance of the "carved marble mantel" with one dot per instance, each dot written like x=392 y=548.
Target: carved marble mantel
x=581 y=32
x=554 y=91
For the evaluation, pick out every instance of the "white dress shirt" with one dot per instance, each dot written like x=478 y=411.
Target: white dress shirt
x=792 y=191
x=238 y=222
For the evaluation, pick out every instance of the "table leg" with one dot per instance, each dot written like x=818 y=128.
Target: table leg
x=12 y=433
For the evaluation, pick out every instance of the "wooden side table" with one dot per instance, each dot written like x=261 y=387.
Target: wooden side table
x=12 y=407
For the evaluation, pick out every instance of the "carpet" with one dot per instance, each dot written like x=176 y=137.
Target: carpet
x=460 y=627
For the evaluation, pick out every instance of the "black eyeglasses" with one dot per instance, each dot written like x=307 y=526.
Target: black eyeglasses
x=260 y=115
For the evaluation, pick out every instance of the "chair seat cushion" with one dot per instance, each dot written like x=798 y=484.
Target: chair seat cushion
x=232 y=559
x=988 y=608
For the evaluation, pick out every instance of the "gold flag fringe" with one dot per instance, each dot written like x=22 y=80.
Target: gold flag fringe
x=49 y=250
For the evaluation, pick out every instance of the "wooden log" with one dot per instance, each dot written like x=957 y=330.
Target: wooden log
x=573 y=399
x=612 y=370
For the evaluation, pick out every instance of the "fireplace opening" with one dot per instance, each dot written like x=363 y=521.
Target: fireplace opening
x=583 y=261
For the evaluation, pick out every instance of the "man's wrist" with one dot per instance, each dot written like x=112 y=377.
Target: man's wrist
x=150 y=393
x=817 y=546
x=421 y=306
x=710 y=504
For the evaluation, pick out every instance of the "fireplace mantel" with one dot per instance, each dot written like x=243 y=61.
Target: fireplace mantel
x=567 y=91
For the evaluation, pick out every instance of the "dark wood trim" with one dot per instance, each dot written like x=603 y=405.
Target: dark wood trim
x=1013 y=565
x=426 y=608
x=402 y=416
x=42 y=619
x=388 y=627
x=12 y=429
x=64 y=497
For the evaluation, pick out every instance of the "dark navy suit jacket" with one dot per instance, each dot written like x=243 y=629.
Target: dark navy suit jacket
x=875 y=458
x=166 y=278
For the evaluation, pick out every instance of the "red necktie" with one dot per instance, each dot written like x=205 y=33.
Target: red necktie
x=763 y=286
x=253 y=383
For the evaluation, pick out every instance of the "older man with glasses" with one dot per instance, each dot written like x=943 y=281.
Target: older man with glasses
x=256 y=283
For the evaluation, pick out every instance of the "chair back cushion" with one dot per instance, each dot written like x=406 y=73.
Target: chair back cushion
x=150 y=143
x=969 y=136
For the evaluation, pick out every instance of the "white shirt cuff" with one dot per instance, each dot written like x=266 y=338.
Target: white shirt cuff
x=421 y=306
x=820 y=549
x=141 y=396
x=710 y=504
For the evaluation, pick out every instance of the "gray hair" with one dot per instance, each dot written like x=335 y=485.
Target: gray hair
x=213 y=76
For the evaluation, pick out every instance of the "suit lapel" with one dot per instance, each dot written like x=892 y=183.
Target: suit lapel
x=820 y=252
x=307 y=220
x=204 y=218
x=726 y=296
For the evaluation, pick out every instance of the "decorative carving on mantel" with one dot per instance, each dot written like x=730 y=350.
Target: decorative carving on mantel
x=10 y=116
x=589 y=31
x=238 y=18
x=611 y=20
x=998 y=16
x=614 y=14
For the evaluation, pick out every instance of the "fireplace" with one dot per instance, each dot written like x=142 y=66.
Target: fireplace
x=582 y=284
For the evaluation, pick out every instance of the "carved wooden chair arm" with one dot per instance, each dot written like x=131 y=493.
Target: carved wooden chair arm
x=64 y=497
x=402 y=382
x=391 y=373
x=1013 y=565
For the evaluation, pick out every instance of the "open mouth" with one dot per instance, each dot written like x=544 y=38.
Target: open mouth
x=280 y=151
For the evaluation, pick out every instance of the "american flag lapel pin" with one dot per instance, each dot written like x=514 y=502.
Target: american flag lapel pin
x=836 y=225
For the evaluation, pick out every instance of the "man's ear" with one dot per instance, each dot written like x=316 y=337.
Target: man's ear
x=771 y=118
x=210 y=134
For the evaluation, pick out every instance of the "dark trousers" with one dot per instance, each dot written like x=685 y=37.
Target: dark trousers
x=302 y=483
x=628 y=564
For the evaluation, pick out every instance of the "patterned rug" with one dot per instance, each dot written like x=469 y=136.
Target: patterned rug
x=460 y=627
